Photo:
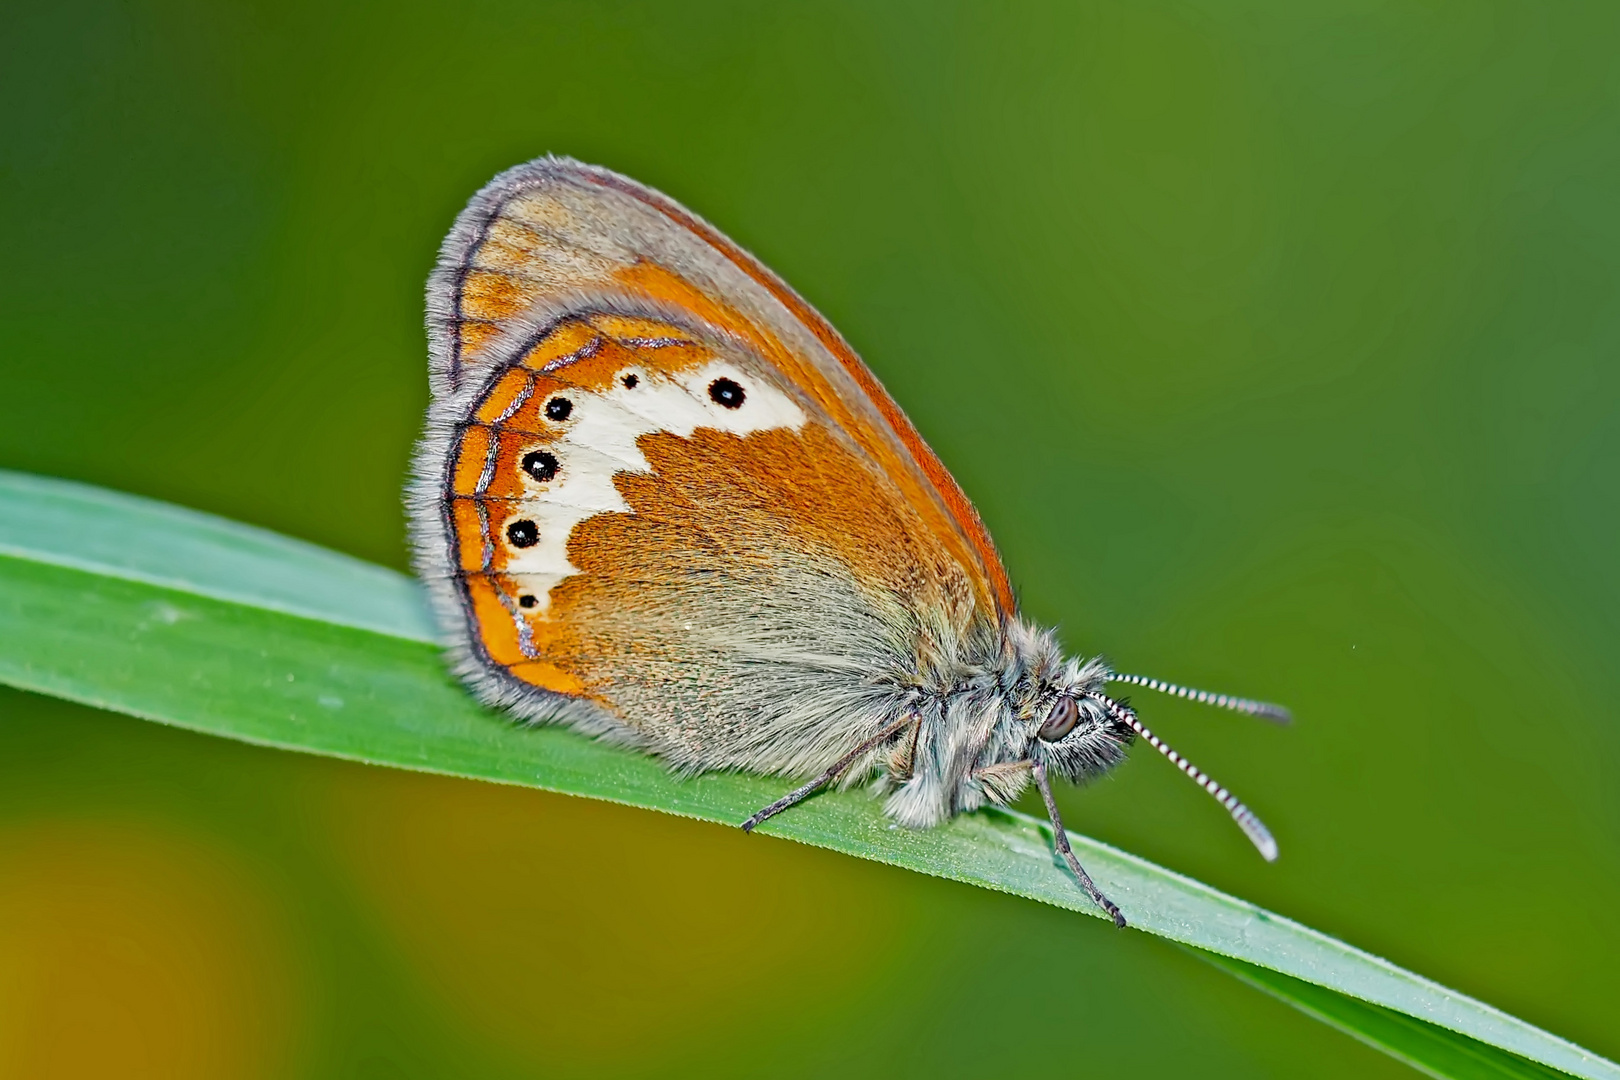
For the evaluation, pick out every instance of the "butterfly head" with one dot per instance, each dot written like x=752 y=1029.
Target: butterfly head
x=1077 y=736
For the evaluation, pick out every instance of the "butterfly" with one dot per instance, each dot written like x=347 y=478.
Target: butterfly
x=661 y=500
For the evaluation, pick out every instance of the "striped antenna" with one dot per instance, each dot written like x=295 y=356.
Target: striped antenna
x=1252 y=827
x=1265 y=710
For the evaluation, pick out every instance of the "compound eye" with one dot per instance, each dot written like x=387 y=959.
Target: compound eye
x=1061 y=720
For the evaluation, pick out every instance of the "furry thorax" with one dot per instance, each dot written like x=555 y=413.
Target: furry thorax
x=976 y=732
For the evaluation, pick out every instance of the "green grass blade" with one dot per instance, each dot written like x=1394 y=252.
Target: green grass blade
x=220 y=628
x=1426 y=1047
x=118 y=535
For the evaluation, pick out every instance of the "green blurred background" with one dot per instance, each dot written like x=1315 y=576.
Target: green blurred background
x=1276 y=343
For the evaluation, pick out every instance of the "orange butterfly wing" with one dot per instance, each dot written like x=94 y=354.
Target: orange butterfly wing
x=660 y=496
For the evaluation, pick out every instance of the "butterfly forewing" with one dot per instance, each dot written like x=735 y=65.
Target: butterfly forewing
x=540 y=235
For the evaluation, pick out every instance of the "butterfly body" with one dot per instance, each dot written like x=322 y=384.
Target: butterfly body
x=661 y=500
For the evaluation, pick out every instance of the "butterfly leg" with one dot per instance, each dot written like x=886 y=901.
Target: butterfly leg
x=804 y=791
x=1060 y=837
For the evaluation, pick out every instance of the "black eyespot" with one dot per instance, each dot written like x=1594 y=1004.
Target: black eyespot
x=1061 y=720
x=527 y=601
x=630 y=381
x=523 y=533
x=727 y=393
x=540 y=464
x=558 y=408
